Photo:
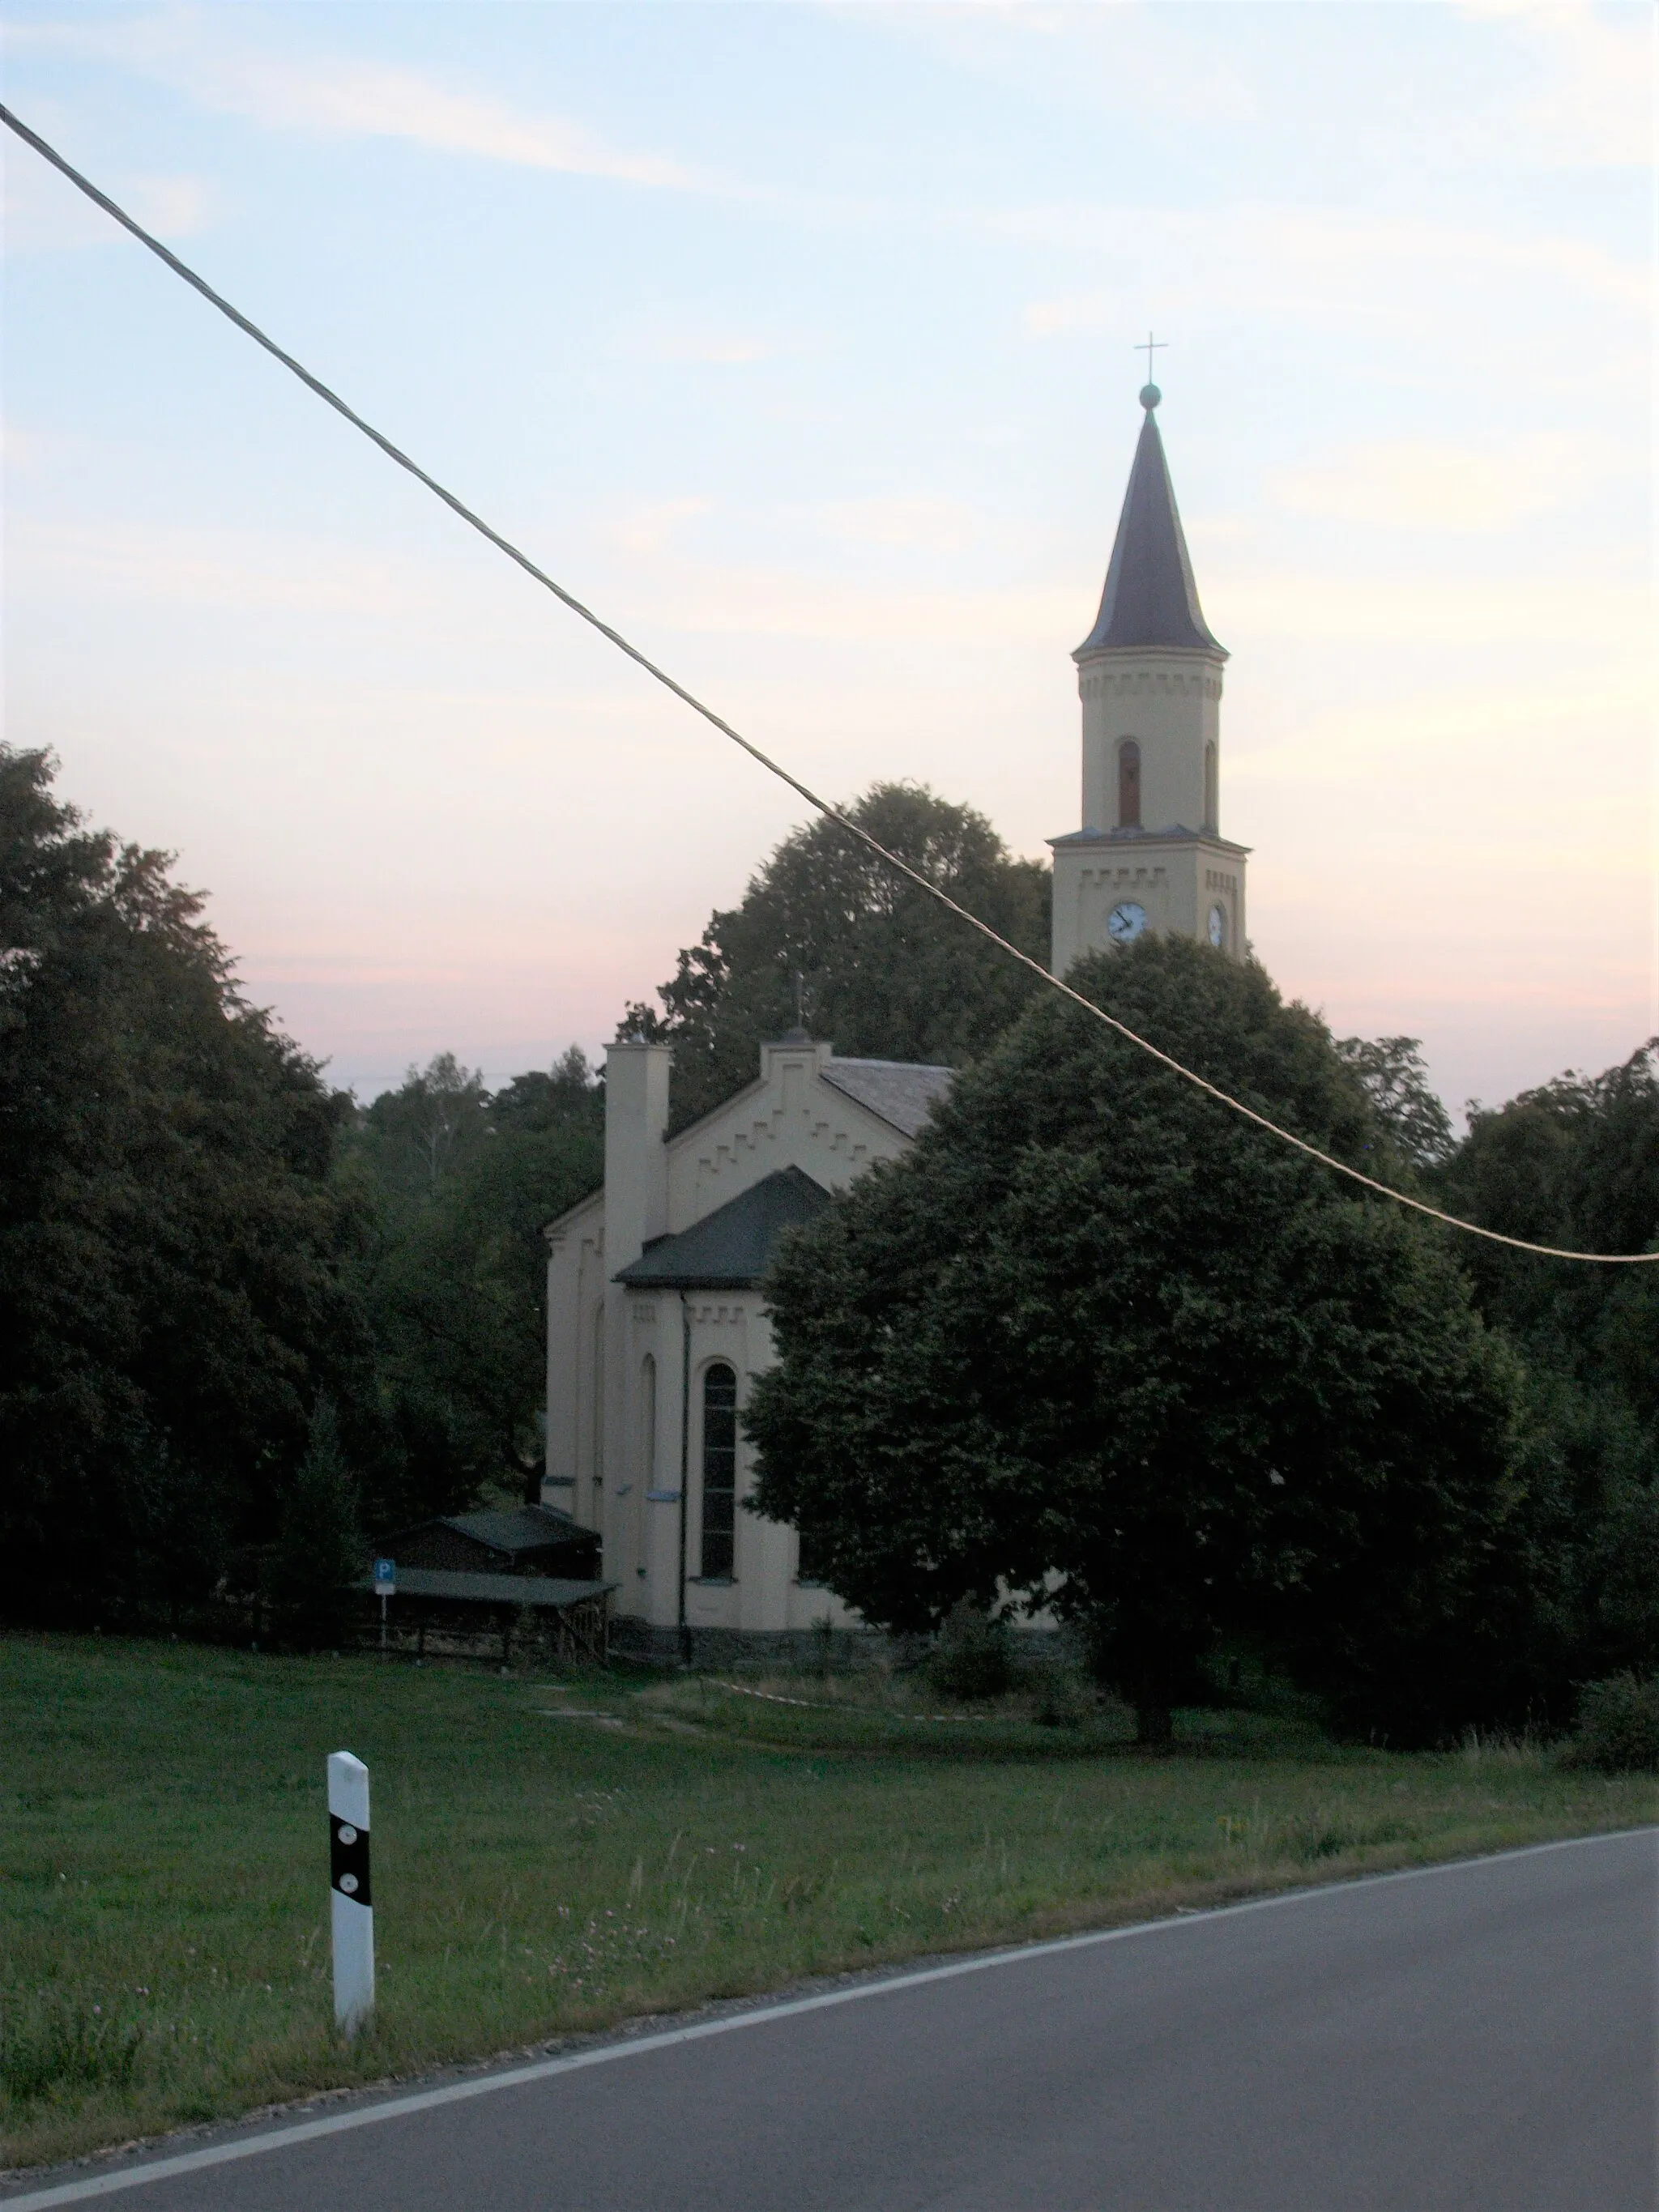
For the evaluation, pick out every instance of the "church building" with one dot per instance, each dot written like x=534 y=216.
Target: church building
x=655 y=1321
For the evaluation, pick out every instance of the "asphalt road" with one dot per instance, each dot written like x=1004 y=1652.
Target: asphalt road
x=1480 y=2035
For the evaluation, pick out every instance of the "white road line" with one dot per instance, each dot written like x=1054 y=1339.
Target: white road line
x=455 y=2093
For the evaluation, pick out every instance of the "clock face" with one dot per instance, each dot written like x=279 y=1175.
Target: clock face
x=1126 y=922
x=1219 y=927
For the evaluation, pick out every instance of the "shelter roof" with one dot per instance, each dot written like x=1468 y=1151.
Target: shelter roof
x=511 y=1529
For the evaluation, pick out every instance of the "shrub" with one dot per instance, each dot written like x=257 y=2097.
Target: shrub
x=1060 y=1696
x=971 y=1660
x=1618 y=1725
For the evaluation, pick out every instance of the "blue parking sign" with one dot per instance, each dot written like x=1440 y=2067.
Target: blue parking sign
x=386 y=1576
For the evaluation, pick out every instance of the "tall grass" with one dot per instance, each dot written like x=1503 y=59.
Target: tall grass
x=552 y=1858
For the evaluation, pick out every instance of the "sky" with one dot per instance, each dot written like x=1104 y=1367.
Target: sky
x=797 y=341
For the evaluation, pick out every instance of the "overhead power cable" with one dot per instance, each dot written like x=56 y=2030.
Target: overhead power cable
x=831 y=812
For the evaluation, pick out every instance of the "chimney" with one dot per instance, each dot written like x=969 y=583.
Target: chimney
x=635 y=1157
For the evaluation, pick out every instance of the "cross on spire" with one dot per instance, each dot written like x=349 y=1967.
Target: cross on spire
x=1150 y=346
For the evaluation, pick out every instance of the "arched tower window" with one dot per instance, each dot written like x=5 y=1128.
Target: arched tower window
x=1211 y=791
x=719 y=1471
x=1128 y=785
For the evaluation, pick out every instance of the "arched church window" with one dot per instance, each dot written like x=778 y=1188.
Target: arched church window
x=596 y=1466
x=719 y=1471
x=644 y=1474
x=1212 y=792
x=1128 y=785
x=647 y=1467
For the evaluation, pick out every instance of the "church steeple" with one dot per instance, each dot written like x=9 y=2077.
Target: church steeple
x=1150 y=854
x=1150 y=598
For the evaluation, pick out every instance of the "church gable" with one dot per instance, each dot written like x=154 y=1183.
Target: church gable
x=829 y=1118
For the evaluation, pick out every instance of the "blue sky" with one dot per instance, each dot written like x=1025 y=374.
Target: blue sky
x=798 y=340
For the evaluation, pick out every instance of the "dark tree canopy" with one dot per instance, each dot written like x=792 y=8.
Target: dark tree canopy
x=1576 y=1163
x=1096 y=1334
x=427 y=1130
x=1573 y=1163
x=457 y=1184
x=884 y=972
x=171 y=1241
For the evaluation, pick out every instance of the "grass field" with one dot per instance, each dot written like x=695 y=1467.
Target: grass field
x=554 y=1857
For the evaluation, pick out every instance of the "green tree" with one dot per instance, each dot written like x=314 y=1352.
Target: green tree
x=1575 y=1162
x=171 y=1243
x=1097 y=1340
x=430 y=1128
x=875 y=964
x=1396 y=1081
x=452 y=1276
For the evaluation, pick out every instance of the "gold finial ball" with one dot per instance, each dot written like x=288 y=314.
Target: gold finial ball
x=1150 y=395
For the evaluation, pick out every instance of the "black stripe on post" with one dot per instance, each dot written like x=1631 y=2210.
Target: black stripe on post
x=348 y=1860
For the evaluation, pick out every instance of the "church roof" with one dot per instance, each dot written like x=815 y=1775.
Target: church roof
x=1150 y=598
x=902 y=1093
x=731 y=1249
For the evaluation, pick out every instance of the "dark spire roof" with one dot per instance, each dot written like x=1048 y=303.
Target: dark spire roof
x=1149 y=597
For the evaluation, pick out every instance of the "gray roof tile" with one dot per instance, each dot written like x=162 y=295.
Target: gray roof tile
x=902 y=1093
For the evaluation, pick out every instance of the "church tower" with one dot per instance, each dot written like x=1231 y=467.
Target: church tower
x=1150 y=854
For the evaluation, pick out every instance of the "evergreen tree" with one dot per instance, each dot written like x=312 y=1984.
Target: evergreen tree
x=319 y=1556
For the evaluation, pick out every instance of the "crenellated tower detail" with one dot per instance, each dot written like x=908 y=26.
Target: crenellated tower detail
x=1150 y=854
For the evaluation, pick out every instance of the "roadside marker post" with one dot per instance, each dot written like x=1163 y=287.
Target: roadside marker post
x=350 y=1898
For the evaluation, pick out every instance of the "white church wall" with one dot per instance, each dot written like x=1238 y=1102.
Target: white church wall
x=1169 y=702
x=616 y=1358
x=575 y=1276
